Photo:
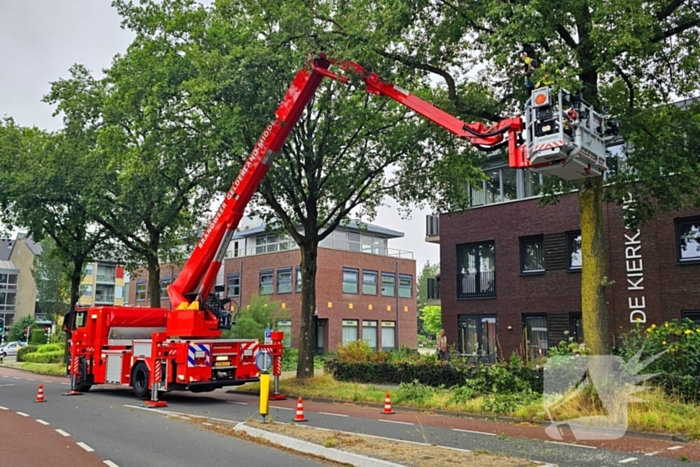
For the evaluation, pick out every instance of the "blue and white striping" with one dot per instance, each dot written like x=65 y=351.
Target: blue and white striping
x=197 y=352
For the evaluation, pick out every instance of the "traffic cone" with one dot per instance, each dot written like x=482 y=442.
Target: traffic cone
x=387 y=406
x=40 y=394
x=300 y=412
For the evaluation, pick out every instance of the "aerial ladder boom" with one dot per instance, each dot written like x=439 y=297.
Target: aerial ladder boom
x=566 y=144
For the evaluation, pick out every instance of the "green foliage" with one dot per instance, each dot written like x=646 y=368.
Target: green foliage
x=38 y=336
x=17 y=330
x=677 y=343
x=568 y=347
x=46 y=348
x=51 y=279
x=43 y=357
x=27 y=349
x=429 y=271
x=414 y=391
x=254 y=318
x=432 y=319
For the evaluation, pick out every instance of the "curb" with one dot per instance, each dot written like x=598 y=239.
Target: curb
x=637 y=434
x=306 y=447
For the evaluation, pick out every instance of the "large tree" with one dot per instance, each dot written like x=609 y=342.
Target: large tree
x=629 y=55
x=349 y=149
x=51 y=278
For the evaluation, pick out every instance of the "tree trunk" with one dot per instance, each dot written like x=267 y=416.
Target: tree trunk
x=76 y=278
x=154 y=281
x=594 y=308
x=307 y=335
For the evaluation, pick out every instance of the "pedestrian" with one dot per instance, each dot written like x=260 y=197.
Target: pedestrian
x=442 y=346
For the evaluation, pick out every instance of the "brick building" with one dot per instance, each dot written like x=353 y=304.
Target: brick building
x=364 y=289
x=510 y=270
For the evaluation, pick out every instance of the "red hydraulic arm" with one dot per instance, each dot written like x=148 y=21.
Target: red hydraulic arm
x=199 y=273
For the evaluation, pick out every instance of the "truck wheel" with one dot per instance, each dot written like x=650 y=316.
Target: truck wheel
x=139 y=380
x=80 y=384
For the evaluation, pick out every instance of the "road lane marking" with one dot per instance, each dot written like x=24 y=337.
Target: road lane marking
x=47 y=381
x=572 y=444
x=31 y=379
x=475 y=432
x=16 y=377
x=334 y=414
x=235 y=402
x=184 y=418
x=673 y=448
x=394 y=421
x=110 y=464
x=629 y=459
x=61 y=432
x=42 y=422
x=6 y=385
x=652 y=453
x=281 y=408
x=5 y=376
x=22 y=414
x=66 y=384
x=207 y=424
x=3 y=408
x=85 y=446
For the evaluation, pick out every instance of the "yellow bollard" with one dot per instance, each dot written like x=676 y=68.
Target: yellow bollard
x=264 y=393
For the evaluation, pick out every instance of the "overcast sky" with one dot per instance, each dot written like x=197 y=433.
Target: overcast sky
x=41 y=39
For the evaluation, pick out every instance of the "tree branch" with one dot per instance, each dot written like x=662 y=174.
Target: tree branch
x=627 y=81
x=677 y=30
x=566 y=37
x=670 y=8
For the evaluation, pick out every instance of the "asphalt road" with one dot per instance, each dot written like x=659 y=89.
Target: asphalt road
x=110 y=420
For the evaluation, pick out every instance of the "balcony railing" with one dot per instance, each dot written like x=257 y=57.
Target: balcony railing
x=332 y=243
x=433 y=289
x=480 y=284
x=106 y=278
x=104 y=298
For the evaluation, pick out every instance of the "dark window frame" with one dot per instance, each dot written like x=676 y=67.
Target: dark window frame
x=136 y=290
x=461 y=294
x=410 y=286
x=381 y=284
x=572 y=326
x=570 y=237
x=266 y=272
x=525 y=316
x=354 y=271
x=369 y=272
x=279 y=282
x=229 y=277
x=693 y=315
x=164 y=290
x=523 y=242
x=678 y=222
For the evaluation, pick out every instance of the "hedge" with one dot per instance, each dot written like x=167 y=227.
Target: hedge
x=45 y=357
x=687 y=388
x=50 y=348
x=38 y=336
x=495 y=378
x=26 y=350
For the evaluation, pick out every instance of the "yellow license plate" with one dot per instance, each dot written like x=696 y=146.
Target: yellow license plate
x=223 y=364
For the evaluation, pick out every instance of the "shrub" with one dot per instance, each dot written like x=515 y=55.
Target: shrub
x=25 y=350
x=38 y=336
x=44 y=357
x=50 y=348
x=414 y=392
x=461 y=394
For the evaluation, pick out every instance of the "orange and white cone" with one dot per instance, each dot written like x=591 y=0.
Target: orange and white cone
x=387 y=406
x=300 y=412
x=40 y=394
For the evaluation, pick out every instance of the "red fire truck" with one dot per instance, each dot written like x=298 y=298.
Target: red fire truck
x=155 y=349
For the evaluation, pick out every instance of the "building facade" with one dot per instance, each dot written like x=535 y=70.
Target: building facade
x=510 y=274
x=364 y=289
x=103 y=284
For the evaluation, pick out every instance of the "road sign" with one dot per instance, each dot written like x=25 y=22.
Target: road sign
x=263 y=361
x=268 y=336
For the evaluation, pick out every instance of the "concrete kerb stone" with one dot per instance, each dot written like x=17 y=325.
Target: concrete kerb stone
x=306 y=447
x=500 y=418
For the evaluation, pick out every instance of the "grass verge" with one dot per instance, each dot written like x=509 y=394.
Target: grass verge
x=658 y=413
x=52 y=369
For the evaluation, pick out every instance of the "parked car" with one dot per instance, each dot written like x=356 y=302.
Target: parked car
x=11 y=348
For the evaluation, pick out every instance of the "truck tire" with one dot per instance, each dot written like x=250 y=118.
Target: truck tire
x=139 y=380
x=80 y=384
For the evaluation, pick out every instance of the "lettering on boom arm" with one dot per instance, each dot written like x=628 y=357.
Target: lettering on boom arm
x=634 y=269
x=252 y=162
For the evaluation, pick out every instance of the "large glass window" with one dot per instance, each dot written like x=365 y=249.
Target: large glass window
x=573 y=245
x=477 y=270
x=535 y=331
x=688 y=239
x=106 y=273
x=349 y=331
x=501 y=185
x=140 y=291
x=233 y=285
x=369 y=333
x=164 y=283
x=86 y=291
x=388 y=284
x=493 y=186
x=388 y=335
x=273 y=242
x=405 y=286
x=532 y=254
x=285 y=325
x=284 y=280
x=532 y=184
x=477 y=338
x=351 y=279
x=576 y=327
x=89 y=270
x=267 y=282
x=369 y=282
x=298 y=280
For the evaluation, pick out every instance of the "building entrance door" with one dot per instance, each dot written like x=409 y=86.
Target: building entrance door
x=321 y=335
x=477 y=338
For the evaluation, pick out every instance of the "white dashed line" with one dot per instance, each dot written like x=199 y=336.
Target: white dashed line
x=42 y=422
x=572 y=444
x=673 y=448
x=3 y=408
x=16 y=377
x=280 y=408
x=334 y=414
x=475 y=432
x=61 y=432
x=207 y=424
x=185 y=418
x=66 y=384
x=629 y=459
x=394 y=421
x=47 y=381
x=22 y=414
x=31 y=379
x=84 y=446
x=652 y=453
x=5 y=376
x=238 y=403
x=110 y=464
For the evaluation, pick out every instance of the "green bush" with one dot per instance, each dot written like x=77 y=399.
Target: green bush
x=45 y=357
x=50 y=348
x=414 y=392
x=27 y=349
x=38 y=337
x=686 y=388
